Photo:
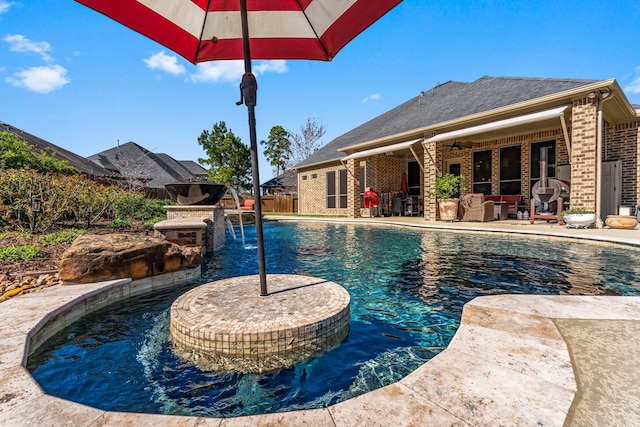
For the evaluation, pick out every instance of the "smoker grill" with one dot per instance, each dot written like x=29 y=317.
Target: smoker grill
x=548 y=194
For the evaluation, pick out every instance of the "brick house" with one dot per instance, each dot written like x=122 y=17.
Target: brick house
x=491 y=131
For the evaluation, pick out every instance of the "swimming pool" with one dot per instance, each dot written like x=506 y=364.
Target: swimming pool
x=407 y=289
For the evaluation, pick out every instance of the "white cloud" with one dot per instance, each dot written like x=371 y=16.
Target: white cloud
x=275 y=66
x=168 y=64
x=21 y=44
x=371 y=98
x=4 y=6
x=40 y=79
x=634 y=86
x=232 y=71
x=219 y=71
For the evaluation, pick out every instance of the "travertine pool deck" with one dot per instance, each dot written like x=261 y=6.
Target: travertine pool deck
x=516 y=360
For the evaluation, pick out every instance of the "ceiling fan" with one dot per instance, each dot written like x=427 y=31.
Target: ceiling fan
x=459 y=145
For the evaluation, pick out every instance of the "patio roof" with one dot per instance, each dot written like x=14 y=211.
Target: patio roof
x=553 y=113
x=381 y=150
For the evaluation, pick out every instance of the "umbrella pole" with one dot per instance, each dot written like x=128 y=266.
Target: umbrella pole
x=248 y=89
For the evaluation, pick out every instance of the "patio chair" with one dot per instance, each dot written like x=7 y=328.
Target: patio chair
x=396 y=206
x=473 y=207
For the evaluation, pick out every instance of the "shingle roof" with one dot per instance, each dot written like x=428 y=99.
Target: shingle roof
x=287 y=180
x=445 y=102
x=39 y=144
x=194 y=168
x=136 y=162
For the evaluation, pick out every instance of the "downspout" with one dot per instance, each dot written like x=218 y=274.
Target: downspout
x=604 y=96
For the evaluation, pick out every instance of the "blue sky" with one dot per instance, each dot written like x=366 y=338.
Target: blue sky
x=84 y=82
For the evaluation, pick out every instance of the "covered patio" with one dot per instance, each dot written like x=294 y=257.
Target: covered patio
x=503 y=135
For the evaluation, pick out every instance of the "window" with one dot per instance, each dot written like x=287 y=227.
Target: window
x=535 y=161
x=304 y=177
x=413 y=178
x=511 y=170
x=331 y=190
x=482 y=172
x=343 y=188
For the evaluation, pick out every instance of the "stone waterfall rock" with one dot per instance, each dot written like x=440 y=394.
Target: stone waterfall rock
x=93 y=258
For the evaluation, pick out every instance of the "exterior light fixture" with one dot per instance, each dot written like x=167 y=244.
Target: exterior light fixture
x=36 y=205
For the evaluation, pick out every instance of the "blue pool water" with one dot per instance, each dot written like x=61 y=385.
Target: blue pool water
x=407 y=290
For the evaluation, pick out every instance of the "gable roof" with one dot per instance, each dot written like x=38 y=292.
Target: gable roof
x=446 y=102
x=133 y=161
x=288 y=181
x=82 y=164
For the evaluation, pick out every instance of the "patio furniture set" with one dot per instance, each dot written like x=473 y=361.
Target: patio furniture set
x=483 y=208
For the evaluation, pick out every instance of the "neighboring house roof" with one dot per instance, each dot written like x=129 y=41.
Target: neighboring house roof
x=288 y=181
x=135 y=162
x=446 y=102
x=83 y=165
x=194 y=168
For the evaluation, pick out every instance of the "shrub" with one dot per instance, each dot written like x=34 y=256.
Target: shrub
x=574 y=211
x=18 y=253
x=64 y=236
x=15 y=153
x=148 y=224
x=120 y=223
x=447 y=186
x=155 y=208
x=126 y=205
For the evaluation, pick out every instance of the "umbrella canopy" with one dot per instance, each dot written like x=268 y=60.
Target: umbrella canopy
x=404 y=187
x=206 y=30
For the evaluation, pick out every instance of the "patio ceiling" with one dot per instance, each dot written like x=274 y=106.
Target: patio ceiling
x=386 y=149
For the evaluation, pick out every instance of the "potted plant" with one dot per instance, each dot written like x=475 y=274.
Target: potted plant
x=577 y=217
x=447 y=190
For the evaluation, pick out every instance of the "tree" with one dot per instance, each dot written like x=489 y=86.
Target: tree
x=277 y=149
x=15 y=153
x=306 y=143
x=229 y=159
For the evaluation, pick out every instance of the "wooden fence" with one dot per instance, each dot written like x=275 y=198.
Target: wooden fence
x=285 y=203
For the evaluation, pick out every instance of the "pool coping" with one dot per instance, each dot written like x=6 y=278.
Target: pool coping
x=508 y=363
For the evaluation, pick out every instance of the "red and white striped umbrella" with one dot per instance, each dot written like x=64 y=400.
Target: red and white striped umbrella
x=209 y=30
x=205 y=30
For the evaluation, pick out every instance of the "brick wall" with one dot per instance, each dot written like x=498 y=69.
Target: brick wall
x=312 y=191
x=386 y=173
x=621 y=143
x=432 y=153
x=524 y=140
x=353 y=188
x=583 y=154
